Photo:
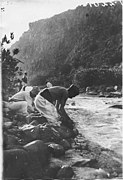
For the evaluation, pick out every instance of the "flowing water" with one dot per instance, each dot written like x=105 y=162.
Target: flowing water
x=97 y=121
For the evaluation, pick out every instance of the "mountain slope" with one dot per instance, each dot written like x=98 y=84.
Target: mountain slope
x=87 y=37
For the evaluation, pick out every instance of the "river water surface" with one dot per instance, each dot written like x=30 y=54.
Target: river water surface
x=97 y=120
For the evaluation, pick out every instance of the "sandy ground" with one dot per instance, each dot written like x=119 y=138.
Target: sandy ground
x=96 y=120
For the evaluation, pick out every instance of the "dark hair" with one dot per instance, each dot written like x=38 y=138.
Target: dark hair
x=73 y=91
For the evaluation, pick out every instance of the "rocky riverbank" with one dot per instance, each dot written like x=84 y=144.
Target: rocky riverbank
x=35 y=149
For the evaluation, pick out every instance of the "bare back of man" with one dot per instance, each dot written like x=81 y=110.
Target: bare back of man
x=58 y=93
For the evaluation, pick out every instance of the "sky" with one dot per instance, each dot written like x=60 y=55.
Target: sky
x=17 y=14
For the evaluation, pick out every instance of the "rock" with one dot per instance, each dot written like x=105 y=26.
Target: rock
x=86 y=163
x=12 y=140
x=51 y=171
x=65 y=172
x=46 y=133
x=49 y=133
x=102 y=174
x=56 y=150
x=101 y=94
x=34 y=123
x=31 y=132
x=75 y=132
x=65 y=144
x=111 y=162
x=118 y=106
x=110 y=89
x=92 y=93
x=56 y=161
x=16 y=164
x=38 y=158
x=5 y=140
x=90 y=173
x=38 y=151
x=109 y=96
x=27 y=162
x=73 y=103
x=64 y=132
x=19 y=118
x=5 y=119
x=40 y=119
x=71 y=157
x=76 y=160
x=93 y=147
x=116 y=94
x=7 y=124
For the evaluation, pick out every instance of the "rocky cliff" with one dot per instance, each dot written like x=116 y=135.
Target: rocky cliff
x=87 y=37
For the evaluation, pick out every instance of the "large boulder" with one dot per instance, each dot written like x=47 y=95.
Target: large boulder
x=16 y=163
x=27 y=162
x=45 y=133
x=38 y=151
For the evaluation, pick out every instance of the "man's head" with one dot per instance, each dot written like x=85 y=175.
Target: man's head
x=73 y=91
x=34 y=91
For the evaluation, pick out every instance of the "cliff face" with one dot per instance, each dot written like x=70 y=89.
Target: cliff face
x=87 y=37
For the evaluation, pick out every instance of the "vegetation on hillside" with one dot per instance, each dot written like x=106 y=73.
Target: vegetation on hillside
x=83 y=46
x=10 y=68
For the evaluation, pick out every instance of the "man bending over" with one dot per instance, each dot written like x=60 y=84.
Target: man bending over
x=57 y=96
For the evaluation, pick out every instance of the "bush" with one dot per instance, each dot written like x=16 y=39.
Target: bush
x=10 y=68
x=96 y=77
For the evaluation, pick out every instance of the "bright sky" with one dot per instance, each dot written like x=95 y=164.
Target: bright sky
x=18 y=13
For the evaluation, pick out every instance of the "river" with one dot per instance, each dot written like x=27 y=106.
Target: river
x=97 y=120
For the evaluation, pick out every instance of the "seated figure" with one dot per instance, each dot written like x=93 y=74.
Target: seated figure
x=21 y=102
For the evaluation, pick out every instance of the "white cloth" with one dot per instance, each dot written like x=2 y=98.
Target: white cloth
x=24 y=96
x=47 y=109
x=19 y=107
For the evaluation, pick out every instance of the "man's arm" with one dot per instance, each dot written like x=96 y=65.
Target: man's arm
x=61 y=105
x=63 y=113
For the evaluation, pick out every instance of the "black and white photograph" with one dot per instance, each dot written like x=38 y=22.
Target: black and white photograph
x=61 y=90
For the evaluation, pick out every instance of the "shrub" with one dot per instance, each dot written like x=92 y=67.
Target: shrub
x=96 y=77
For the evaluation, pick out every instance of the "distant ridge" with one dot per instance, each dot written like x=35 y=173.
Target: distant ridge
x=87 y=37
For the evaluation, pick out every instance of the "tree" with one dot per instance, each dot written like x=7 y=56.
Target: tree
x=10 y=67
